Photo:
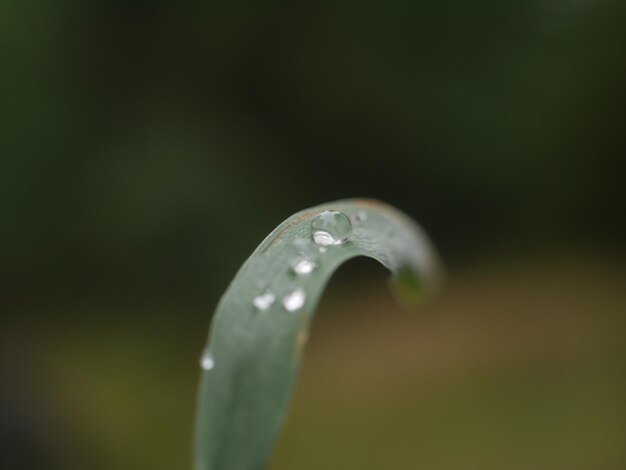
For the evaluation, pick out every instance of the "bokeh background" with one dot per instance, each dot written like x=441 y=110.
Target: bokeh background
x=148 y=146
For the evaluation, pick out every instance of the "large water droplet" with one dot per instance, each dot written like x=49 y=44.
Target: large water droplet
x=331 y=228
x=294 y=300
x=264 y=301
x=207 y=362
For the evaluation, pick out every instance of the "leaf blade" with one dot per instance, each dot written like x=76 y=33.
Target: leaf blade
x=255 y=354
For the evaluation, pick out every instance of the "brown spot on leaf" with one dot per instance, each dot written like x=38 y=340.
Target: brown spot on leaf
x=302 y=217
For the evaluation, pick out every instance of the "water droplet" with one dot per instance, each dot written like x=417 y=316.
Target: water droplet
x=331 y=228
x=303 y=265
x=323 y=238
x=359 y=217
x=264 y=301
x=206 y=361
x=294 y=300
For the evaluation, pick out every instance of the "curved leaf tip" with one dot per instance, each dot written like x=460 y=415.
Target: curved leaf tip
x=261 y=323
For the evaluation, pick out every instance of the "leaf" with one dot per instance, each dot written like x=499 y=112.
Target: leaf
x=253 y=354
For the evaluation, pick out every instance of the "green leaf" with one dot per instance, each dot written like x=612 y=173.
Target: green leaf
x=253 y=352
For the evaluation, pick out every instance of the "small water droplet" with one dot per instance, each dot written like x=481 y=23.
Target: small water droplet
x=264 y=301
x=359 y=217
x=331 y=228
x=303 y=265
x=294 y=300
x=206 y=361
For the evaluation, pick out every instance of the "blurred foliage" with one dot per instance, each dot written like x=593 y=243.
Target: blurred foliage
x=139 y=135
x=518 y=366
x=140 y=139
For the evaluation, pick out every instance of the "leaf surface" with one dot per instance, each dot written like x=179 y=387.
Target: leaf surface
x=261 y=324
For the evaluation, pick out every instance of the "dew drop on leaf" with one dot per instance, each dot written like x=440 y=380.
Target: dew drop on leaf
x=294 y=300
x=303 y=265
x=331 y=228
x=359 y=217
x=206 y=361
x=264 y=301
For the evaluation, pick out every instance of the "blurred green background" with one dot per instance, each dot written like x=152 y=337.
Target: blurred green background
x=148 y=146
